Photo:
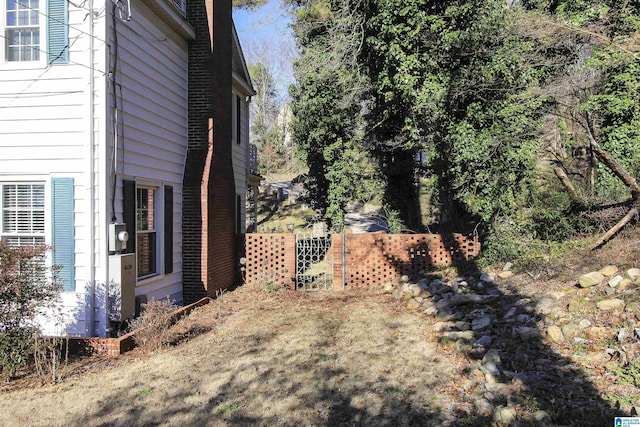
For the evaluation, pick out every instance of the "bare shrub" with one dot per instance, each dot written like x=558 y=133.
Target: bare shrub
x=51 y=356
x=268 y=282
x=152 y=328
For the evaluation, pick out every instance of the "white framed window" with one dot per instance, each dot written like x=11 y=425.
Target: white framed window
x=148 y=217
x=23 y=29
x=34 y=33
x=146 y=231
x=23 y=213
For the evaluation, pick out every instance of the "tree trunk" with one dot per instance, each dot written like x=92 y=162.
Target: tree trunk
x=566 y=183
x=610 y=162
x=614 y=230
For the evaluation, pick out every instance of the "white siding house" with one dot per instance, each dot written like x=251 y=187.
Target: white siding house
x=93 y=131
x=242 y=93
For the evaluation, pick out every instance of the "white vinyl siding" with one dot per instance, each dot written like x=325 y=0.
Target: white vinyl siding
x=47 y=126
x=153 y=83
x=240 y=152
x=44 y=110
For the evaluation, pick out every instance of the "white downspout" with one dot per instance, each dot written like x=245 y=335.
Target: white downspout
x=92 y=140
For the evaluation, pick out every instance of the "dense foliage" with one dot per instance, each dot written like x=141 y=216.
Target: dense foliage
x=328 y=127
x=497 y=99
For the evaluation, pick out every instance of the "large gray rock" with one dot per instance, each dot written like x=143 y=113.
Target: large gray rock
x=615 y=281
x=590 y=279
x=423 y=284
x=542 y=418
x=484 y=341
x=609 y=270
x=460 y=335
x=490 y=367
x=504 y=415
x=481 y=323
x=483 y=407
x=506 y=274
x=633 y=274
x=527 y=334
x=611 y=304
x=492 y=355
x=486 y=278
x=555 y=333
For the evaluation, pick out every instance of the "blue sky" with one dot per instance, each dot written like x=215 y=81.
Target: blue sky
x=265 y=36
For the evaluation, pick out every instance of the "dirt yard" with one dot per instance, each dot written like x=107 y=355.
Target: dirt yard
x=287 y=358
x=301 y=359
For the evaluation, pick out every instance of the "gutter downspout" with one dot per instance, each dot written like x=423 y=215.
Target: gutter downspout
x=92 y=246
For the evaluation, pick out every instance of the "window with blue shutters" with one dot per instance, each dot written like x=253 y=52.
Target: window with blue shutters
x=22 y=30
x=22 y=221
x=35 y=30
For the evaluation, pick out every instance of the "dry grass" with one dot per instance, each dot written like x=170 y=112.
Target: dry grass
x=284 y=358
x=249 y=358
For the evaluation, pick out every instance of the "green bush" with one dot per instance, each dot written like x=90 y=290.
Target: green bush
x=554 y=217
x=16 y=349
x=507 y=243
x=536 y=233
x=26 y=287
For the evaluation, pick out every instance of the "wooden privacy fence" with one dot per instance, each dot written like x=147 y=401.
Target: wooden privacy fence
x=359 y=260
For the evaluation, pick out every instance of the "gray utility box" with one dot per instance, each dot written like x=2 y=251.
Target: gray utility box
x=122 y=286
x=118 y=237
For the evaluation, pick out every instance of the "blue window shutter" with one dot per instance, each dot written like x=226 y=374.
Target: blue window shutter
x=62 y=230
x=57 y=32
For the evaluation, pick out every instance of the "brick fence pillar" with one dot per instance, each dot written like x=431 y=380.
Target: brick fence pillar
x=337 y=247
x=290 y=259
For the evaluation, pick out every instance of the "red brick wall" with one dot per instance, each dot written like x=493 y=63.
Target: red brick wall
x=374 y=259
x=221 y=236
x=367 y=259
x=208 y=235
x=270 y=258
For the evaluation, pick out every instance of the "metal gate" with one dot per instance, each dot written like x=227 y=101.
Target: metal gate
x=314 y=262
